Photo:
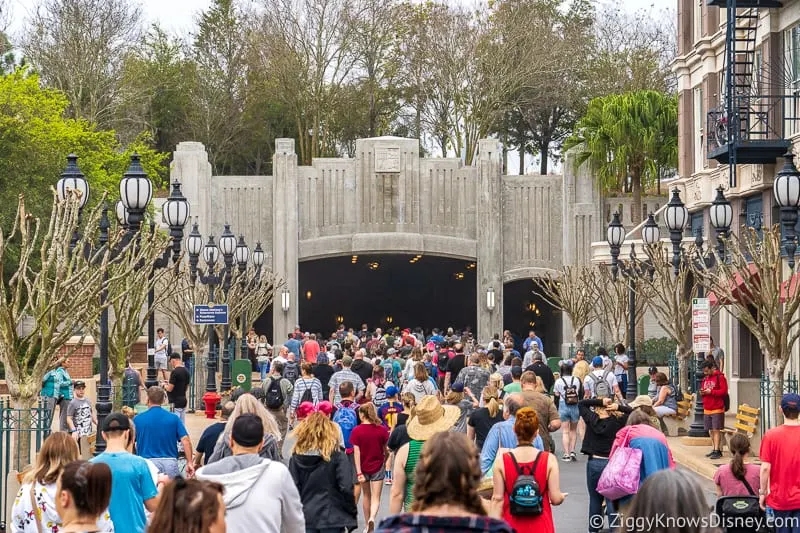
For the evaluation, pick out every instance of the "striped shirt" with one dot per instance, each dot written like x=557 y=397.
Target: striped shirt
x=304 y=384
x=340 y=377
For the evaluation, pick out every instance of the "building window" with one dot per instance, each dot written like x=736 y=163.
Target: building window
x=698 y=223
x=750 y=360
x=697 y=18
x=754 y=213
x=791 y=53
x=699 y=125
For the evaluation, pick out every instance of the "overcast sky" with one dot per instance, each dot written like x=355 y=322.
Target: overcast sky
x=179 y=15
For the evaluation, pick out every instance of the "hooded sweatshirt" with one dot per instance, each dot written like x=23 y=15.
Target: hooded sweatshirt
x=260 y=494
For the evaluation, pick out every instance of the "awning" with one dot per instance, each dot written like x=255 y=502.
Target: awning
x=738 y=286
x=790 y=287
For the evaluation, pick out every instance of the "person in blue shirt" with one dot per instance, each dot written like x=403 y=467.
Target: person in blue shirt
x=157 y=435
x=502 y=434
x=294 y=346
x=532 y=337
x=132 y=486
x=57 y=389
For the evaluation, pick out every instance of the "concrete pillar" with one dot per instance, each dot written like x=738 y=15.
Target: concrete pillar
x=490 y=237
x=285 y=236
x=685 y=134
x=190 y=166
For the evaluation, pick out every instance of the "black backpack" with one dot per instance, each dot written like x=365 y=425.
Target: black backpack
x=526 y=495
x=443 y=358
x=307 y=396
x=743 y=510
x=290 y=371
x=274 y=398
x=726 y=400
x=571 y=392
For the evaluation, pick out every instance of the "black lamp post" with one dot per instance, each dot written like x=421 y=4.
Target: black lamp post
x=103 y=405
x=676 y=217
x=786 y=189
x=242 y=255
x=616 y=238
x=72 y=179
x=227 y=245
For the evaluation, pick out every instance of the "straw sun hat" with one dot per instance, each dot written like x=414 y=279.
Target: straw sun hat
x=641 y=401
x=431 y=417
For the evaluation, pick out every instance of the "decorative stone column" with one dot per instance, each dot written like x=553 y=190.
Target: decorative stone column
x=190 y=166
x=490 y=237
x=285 y=237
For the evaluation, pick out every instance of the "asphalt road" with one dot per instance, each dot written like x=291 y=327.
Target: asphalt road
x=570 y=517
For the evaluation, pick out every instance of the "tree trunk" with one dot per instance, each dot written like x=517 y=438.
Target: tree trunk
x=544 y=150
x=776 y=368
x=579 y=337
x=684 y=379
x=636 y=190
x=522 y=159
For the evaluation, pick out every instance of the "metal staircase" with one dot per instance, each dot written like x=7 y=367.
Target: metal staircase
x=748 y=126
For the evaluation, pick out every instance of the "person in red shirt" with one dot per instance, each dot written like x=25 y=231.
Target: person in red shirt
x=369 y=441
x=714 y=389
x=780 y=468
x=311 y=349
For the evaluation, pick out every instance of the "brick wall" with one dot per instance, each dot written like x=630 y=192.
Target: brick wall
x=80 y=362
x=139 y=352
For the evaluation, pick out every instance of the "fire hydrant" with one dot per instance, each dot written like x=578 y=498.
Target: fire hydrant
x=211 y=399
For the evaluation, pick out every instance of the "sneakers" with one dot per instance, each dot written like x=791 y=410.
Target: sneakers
x=566 y=457
x=387 y=480
x=716 y=454
x=573 y=457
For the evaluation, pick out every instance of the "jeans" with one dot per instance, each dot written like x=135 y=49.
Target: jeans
x=622 y=381
x=167 y=466
x=181 y=412
x=264 y=368
x=594 y=467
x=787 y=521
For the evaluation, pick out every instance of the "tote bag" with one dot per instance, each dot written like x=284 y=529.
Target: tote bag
x=620 y=477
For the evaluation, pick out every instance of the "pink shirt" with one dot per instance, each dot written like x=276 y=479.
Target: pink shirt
x=733 y=487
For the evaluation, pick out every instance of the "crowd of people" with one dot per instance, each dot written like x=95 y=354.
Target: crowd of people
x=460 y=433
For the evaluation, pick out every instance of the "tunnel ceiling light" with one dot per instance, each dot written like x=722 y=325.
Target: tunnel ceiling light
x=354 y=259
x=471 y=266
x=308 y=295
x=459 y=275
x=531 y=323
x=374 y=265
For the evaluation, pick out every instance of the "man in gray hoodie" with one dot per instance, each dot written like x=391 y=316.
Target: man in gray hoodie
x=260 y=494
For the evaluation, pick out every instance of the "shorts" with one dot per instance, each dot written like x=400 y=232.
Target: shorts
x=568 y=413
x=352 y=458
x=377 y=476
x=167 y=466
x=160 y=361
x=715 y=421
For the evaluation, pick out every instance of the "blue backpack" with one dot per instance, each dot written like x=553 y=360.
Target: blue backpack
x=347 y=419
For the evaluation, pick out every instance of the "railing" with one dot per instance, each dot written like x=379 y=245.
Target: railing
x=770 y=395
x=755 y=118
x=22 y=432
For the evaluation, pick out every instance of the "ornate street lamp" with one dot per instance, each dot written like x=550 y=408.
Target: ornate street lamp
x=227 y=245
x=258 y=259
x=676 y=217
x=103 y=405
x=615 y=234
x=786 y=188
x=72 y=179
x=135 y=191
x=721 y=214
x=176 y=213
x=651 y=234
x=121 y=213
x=194 y=245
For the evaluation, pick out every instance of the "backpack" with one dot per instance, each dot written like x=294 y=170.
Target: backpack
x=274 y=395
x=601 y=387
x=678 y=393
x=379 y=398
x=444 y=357
x=347 y=419
x=570 y=392
x=526 y=495
x=726 y=400
x=290 y=371
x=307 y=396
x=388 y=370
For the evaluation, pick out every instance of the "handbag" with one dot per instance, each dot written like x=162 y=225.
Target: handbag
x=620 y=477
x=743 y=510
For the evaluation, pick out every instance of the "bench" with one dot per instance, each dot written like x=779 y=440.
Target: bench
x=677 y=424
x=746 y=423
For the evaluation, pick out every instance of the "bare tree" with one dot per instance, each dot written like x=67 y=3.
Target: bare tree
x=53 y=293
x=79 y=47
x=570 y=290
x=611 y=299
x=756 y=288
x=669 y=297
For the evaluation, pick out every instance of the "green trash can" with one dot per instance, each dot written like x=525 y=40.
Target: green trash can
x=554 y=364
x=242 y=374
x=644 y=384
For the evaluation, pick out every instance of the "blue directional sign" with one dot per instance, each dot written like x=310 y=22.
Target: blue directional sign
x=211 y=314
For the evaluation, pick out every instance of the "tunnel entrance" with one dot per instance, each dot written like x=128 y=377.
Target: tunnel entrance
x=523 y=311
x=407 y=291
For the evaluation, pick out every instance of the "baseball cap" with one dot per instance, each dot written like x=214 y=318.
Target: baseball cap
x=391 y=391
x=116 y=422
x=790 y=401
x=391 y=351
x=79 y=385
x=248 y=430
x=457 y=387
x=652 y=370
x=597 y=361
x=347 y=360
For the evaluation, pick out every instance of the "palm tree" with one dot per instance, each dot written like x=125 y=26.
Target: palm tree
x=632 y=135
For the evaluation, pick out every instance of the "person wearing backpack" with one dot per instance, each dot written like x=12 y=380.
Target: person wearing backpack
x=526 y=481
x=345 y=414
x=278 y=395
x=716 y=402
x=291 y=370
x=601 y=383
x=568 y=391
x=307 y=388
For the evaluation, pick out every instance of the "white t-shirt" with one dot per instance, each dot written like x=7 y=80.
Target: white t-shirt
x=562 y=383
x=161 y=347
x=620 y=360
